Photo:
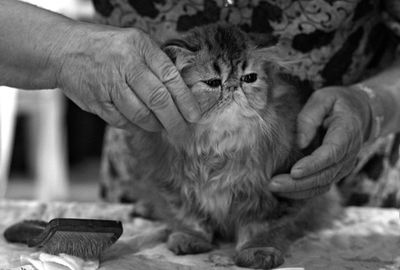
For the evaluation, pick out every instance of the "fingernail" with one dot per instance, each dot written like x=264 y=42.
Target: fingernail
x=296 y=172
x=274 y=185
x=301 y=140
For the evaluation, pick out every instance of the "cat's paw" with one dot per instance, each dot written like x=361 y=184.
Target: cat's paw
x=184 y=243
x=259 y=258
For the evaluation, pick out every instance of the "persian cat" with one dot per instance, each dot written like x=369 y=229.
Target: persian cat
x=213 y=181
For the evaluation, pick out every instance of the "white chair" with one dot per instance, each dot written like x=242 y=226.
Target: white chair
x=8 y=99
x=47 y=144
x=46 y=139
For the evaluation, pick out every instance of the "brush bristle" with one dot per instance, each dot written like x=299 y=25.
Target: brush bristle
x=87 y=245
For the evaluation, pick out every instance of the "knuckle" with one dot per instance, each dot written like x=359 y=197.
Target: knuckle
x=137 y=73
x=169 y=74
x=334 y=152
x=142 y=115
x=159 y=98
x=115 y=94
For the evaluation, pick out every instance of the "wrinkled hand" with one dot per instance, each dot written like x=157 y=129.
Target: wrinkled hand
x=123 y=76
x=345 y=115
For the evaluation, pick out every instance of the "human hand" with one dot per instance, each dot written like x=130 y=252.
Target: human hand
x=123 y=76
x=345 y=114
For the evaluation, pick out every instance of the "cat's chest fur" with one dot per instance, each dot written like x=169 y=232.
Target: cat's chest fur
x=225 y=189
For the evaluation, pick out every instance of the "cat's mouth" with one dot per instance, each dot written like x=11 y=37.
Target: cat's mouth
x=219 y=105
x=223 y=105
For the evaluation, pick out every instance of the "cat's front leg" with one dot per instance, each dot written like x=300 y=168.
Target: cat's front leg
x=261 y=245
x=191 y=236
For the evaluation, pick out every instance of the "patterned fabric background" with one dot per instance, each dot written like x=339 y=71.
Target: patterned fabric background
x=337 y=41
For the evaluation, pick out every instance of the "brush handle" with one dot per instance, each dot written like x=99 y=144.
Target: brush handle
x=111 y=229
x=24 y=231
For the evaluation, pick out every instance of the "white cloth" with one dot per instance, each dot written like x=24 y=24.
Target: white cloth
x=44 y=261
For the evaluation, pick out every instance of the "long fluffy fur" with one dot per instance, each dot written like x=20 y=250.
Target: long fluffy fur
x=222 y=171
x=215 y=178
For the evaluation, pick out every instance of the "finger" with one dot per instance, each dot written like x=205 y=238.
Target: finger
x=307 y=194
x=135 y=111
x=282 y=183
x=154 y=94
x=326 y=177
x=160 y=64
x=351 y=164
x=113 y=117
x=287 y=184
x=340 y=139
x=311 y=117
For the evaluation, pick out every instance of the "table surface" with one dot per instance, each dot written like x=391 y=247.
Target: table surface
x=363 y=238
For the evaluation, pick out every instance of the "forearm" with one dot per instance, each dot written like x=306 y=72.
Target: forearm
x=30 y=43
x=386 y=85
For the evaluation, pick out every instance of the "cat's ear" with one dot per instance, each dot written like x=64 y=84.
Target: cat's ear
x=274 y=51
x=277 y=62
x=276 y=55
x=179 y=51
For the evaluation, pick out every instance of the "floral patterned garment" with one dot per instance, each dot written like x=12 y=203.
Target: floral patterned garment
x=339 y=42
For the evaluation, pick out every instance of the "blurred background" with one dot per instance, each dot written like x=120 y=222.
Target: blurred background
x=50 y=149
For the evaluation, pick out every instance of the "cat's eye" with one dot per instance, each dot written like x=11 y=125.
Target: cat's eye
x=249 y=78
x=213 y=83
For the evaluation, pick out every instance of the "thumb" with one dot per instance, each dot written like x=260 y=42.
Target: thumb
x=312 y=116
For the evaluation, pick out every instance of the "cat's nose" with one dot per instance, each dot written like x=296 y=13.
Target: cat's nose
x=231 y=86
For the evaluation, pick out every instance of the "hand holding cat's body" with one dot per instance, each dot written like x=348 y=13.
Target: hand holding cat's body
x=346 y=113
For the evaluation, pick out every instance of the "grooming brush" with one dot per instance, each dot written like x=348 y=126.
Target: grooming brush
x=85 y=238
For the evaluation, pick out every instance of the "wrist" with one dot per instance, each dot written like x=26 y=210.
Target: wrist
x=373 y=126
x=64 y=47
x=82 y=42
x=29 y=49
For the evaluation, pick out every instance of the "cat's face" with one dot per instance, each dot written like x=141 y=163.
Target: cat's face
x=227 y=88
x=234 y=82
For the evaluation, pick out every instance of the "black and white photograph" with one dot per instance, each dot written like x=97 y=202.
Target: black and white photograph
x=199 y=134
